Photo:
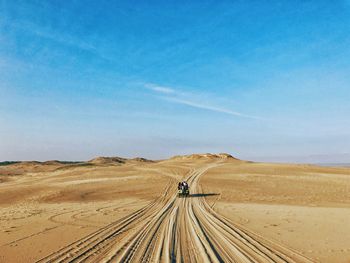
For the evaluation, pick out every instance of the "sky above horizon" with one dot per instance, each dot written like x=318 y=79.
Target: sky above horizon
x=262 y=80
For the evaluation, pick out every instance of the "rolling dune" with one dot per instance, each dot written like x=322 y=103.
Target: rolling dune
x=122 y=210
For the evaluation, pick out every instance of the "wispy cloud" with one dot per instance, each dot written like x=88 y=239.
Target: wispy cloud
x=191 y=100
x=60 y=37
x=160 y=89
x=210 y=108
x=48 y=33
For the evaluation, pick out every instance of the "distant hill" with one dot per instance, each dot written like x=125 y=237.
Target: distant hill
x=108 y=160
x=21 y=167
x=204 y=156
x=117 y=160
x=8 y=163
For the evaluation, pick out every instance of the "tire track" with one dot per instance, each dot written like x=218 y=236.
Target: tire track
x=173 y=229
x=87 y=246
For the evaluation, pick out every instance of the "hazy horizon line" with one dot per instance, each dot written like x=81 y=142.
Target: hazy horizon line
x=258 y=159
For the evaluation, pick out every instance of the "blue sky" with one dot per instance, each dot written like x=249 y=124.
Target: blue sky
x=263 y=80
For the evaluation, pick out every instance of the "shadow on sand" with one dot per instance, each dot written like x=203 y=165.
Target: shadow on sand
x=203 y=195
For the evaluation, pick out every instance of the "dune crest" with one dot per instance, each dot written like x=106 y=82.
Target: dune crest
x=117 y=160
x=209 y=156
x=108 y=160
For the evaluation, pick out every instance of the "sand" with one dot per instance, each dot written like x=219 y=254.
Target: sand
x=120 y=210
x=303 y=207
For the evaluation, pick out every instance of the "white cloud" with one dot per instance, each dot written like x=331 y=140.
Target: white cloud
x=161 y=89
x=191 y=100
x=210 y=108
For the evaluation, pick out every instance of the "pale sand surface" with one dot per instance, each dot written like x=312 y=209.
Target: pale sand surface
x=42 y=212
x=303 y=207
x=130 y=211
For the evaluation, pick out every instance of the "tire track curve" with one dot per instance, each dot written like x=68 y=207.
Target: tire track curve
x=172 y=229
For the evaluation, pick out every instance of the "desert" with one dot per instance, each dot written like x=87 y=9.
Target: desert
x=127 y=210
x=174 y=131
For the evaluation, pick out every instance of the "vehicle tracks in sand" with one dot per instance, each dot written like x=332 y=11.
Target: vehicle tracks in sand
x=172 y=229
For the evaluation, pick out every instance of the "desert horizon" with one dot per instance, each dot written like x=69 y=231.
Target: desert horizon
x=117 y=209
x=174 y=131
x=326 y=163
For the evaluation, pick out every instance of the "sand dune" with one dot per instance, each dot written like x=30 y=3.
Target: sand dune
x=108 y=160
x=117 y=209
x=208 y=156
